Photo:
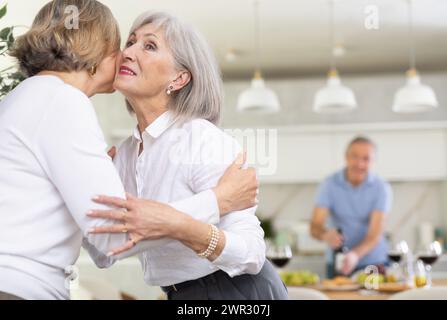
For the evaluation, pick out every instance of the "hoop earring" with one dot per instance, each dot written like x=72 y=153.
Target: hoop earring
x=92 y=70
x=169 y=91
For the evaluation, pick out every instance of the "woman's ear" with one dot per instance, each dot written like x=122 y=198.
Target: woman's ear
x=183 y=78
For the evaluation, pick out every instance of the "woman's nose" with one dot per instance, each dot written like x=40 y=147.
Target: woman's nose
x=128 y=53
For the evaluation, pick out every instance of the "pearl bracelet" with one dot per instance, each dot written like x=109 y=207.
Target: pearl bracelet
x=215 y=235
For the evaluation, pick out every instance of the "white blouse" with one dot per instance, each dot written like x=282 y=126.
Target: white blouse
x=53 y=160
x=178 y=161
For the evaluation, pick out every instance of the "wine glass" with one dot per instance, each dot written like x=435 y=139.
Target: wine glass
x=400 y=249
x=279 y=254
x=395 y=254
x=429 y=255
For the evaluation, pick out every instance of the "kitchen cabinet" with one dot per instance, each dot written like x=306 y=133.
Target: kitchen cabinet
x=307 y=154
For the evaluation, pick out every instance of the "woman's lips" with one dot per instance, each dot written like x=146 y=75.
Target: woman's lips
x=126 y=71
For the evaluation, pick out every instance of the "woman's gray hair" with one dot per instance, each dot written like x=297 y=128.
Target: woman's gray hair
x=202 y=97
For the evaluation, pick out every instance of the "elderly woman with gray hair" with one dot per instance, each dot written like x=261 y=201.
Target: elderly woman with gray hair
x=172 y=83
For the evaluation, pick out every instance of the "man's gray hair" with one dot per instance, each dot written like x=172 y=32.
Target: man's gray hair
x=202 y=97
x=361 y=139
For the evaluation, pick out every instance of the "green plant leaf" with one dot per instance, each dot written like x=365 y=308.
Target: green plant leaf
x=9 y=77
x=3 y=11
x=5 y=32
x=11 y=39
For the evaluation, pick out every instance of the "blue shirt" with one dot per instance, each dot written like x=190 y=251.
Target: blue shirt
x=350 y=209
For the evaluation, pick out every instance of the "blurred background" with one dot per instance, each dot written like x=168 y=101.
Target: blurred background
x=372 y=43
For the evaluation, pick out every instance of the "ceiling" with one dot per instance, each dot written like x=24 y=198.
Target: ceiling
x=295 y=33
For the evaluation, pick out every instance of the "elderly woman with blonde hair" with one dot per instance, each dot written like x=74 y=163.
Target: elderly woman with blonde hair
x=53 y=159
x=172 y=83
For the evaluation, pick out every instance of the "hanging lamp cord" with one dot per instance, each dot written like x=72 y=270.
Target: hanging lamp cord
x=332 y=61
x=411 y=35
x=257 y=39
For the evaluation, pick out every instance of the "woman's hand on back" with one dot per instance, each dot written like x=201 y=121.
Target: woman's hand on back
x=142 y=219
x=112 y=152
x=237 y=189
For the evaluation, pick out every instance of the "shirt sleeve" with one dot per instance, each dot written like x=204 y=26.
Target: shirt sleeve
x=70 y=147
x=384 y=198
x=323 y=199
x=202 y=206
x=244 y=250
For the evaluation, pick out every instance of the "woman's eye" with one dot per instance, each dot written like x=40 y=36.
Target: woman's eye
x=129 y=44
x=149 y=46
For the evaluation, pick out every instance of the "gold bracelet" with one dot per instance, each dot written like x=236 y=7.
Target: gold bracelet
x=212 y=245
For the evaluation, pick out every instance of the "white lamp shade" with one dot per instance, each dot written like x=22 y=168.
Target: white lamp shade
x=258 y=98
x=414 y=97
x=334 y=97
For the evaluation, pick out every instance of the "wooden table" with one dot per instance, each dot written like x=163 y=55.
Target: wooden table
x=368 y=294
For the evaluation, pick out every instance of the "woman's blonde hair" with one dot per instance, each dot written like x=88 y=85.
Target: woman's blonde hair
x=202 y=96
x=54 y=44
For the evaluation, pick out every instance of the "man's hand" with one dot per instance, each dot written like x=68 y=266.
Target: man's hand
x=350 y=262
x=333 y=238
x=237 y=188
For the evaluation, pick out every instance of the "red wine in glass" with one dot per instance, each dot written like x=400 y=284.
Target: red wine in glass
x=280 y=262
x=428 y=259
x=395 y=256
